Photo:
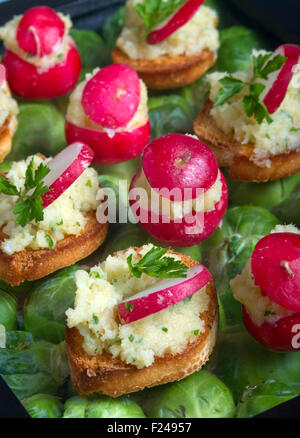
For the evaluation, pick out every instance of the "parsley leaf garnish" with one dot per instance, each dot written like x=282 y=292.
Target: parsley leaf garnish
x=263 y=66
x=29 y=204
x=154 y=12
x=155 y=265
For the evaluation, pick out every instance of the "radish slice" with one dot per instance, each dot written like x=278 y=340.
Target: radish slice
x=275 y=265
x=177 y=20
x=65 y=168
x=163 y=294
x=112 y=96
x=40 y=31
x=179 y=161
x=278 y=82
x=2 y=74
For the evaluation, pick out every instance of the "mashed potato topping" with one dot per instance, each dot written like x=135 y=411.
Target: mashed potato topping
x=95 y=314
x=65 y=216
x=281 y=136
x=197 y=34
x=8 y=35
x=177 y=210
x=8 y=109
x=77 y=116
x=260 y=308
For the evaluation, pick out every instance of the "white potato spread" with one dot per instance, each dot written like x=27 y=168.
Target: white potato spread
x=77 y=116
x=8 y=35
x=8 y=109
x=281 y=136
x=197 y=34
x=206 y=202
x=138 y=343
x=260 y=308
x=65 y=216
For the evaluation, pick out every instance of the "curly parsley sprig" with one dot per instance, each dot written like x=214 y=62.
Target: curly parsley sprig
x=155 y=265
x=263 y=66
x=29 y=204
x=154 y=12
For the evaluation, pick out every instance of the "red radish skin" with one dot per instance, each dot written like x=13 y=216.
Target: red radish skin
x=123 y=146
x=40 y=31
x=3 y=74
x=179 y=161
x=66 y=168
x=163 y=294
x=278 y=82
x=25 y=80
x=174 y=233
x=111 y=97
x=275 y=265
x=177 y=20
x=278 y=336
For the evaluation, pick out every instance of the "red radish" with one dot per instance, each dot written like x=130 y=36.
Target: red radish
x=179 y=161
x=176 y=233
x=177 y=20
x=123 y=146
x=277 y=336
x=40 y=31
x=112 y=96
x=163 y=294
x=275 y=265
x=26 y=81
x=278 y=82
x=2 y=74
x=65 y=168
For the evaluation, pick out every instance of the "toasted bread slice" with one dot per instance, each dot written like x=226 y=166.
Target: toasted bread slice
x=168 y=71
x=108 y=375
x=237 y=156
x=30 y=264
x=5 y=140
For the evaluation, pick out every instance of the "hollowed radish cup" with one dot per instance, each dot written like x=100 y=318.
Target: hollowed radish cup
x=192 y=229
x=26 y=81
x=123 y=146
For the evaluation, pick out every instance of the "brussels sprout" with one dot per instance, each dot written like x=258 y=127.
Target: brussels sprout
x=30 y=367
x=266 y=396
x=43 y=406
x=44 y=312
x=91 y=47
x=289 y=210
x=41 y=128
x=226 y=252
x=176 y=112
x=102 y=407
x=201 y=395
x=268 y=195
x=134 y=235
x=241 y=362
x=8 y=310
x=236 y=45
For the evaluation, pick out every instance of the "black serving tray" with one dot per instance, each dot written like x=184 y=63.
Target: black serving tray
x=276 y=18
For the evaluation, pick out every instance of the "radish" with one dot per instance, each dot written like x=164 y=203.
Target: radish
x=27 y=81
x=164 y=293
x=179 y=161
x=123 y=146
x=177 y=20
x=65 y=168
x=278 y=82
x=277 y=336
x=40 y=31
x=275 y=265
x=112 y=96
x=2 y=74
x=174 y=233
